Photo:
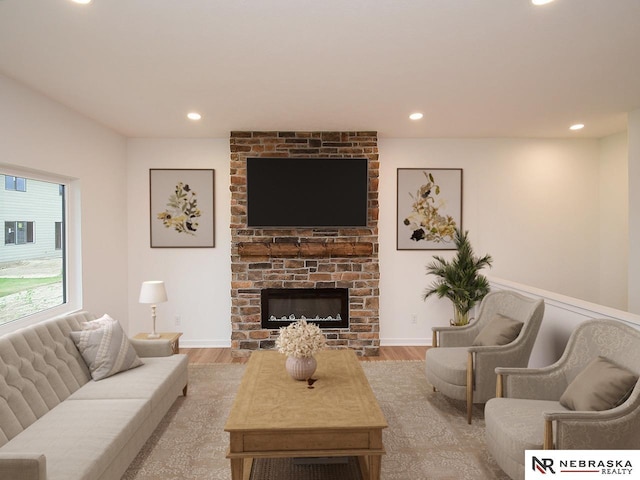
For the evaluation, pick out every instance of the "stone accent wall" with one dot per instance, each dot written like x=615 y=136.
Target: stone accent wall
x=303 y=258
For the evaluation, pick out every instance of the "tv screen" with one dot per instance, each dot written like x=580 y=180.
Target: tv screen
x=307 y=192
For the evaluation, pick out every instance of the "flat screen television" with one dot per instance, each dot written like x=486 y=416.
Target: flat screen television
x=307 y=192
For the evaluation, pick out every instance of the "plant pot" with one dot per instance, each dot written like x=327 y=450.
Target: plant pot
x=459 y=319
x=301 y=368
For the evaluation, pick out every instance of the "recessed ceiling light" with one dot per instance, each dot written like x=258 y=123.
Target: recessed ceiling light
x=82 y=2
x=194 y=116
x=577 y=126
x=541 y=2
x=416 y=116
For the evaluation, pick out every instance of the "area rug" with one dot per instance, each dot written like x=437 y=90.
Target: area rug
x=428 y=435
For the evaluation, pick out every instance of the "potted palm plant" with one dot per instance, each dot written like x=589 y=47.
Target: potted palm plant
x=459 y=279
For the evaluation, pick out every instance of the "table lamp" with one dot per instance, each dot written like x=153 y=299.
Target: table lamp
x=153 y=292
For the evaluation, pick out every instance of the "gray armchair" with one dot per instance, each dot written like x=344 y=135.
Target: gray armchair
x=464 y=371
x=530 y=411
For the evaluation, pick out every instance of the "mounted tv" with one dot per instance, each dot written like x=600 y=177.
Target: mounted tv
x=307 y=192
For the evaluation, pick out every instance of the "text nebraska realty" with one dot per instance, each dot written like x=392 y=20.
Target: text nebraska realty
x=605 y=467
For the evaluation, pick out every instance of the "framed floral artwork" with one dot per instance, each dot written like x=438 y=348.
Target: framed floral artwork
x=182 y=208
x=429 y=208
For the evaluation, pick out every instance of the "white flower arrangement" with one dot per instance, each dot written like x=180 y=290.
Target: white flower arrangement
x=300 y=339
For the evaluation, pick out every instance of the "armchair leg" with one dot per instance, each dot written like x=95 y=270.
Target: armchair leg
x=548 y=435
x=434 y=343
x=469 y=387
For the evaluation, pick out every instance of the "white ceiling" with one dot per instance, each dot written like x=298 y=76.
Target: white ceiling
x=492 y=68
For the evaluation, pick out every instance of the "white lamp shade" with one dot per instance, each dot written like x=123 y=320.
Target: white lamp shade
x=153 y=291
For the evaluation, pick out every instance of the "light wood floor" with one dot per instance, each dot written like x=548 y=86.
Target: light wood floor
x=223 y=355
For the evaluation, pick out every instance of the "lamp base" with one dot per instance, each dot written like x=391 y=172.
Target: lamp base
x=153 y=335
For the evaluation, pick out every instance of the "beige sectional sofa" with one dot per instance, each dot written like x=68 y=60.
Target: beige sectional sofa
x=56 y=423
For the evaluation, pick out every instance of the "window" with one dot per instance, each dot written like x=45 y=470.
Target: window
x=18 y=232
x=18 y=184
x=9 y=232
x=29 y=232
x=33 y=256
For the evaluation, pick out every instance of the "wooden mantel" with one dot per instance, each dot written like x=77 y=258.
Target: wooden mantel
x=305 y=249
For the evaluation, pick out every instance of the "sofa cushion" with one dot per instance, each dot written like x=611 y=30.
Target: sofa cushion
x=500 y=330
x=80 y=439
x=152 y=382
x=514 y=425
x=106 y=350
x=600 y=386
x=448 y=363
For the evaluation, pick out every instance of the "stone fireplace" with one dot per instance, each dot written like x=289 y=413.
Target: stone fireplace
x=303 y=258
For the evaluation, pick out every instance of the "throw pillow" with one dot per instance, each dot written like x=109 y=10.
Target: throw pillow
x=97 y=323
x=500 y=330
x=600 y=386
x=106 y=350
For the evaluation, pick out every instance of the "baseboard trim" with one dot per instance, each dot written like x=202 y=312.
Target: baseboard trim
x=205 y=343
x=405 y=342
x=385 y=342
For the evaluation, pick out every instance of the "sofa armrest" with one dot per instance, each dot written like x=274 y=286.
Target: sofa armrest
x=23 y=466
x=152 y=348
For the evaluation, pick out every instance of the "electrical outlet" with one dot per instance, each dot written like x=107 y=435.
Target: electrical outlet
x=414 y=319
x=178 y=320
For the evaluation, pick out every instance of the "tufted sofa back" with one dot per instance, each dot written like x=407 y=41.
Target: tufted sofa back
x=40 y=367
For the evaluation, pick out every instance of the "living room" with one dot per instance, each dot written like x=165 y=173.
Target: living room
x=557 y=209
x=518 y=183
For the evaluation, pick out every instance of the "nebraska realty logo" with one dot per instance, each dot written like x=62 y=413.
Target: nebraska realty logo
x=581 y=464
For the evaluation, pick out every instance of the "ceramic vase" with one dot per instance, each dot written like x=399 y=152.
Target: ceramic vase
x=301 y=368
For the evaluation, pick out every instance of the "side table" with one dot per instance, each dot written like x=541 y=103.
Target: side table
x=173 y=337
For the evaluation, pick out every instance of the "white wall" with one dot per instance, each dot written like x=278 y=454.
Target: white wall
x=634 y=211
x=39 y=134
x=531 y=204
x=614 y=222
x=198 y=280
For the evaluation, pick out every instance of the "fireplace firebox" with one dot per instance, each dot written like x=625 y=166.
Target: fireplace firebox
x=326 y=307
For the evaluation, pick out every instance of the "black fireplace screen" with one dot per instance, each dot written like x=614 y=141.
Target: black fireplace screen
x=326 y=307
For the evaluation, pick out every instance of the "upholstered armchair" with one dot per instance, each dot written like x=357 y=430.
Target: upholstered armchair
x=588 y=399
x=463 y=365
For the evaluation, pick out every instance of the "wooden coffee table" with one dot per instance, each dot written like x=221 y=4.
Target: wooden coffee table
x=276 y=416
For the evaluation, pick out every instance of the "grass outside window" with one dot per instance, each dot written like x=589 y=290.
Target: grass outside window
x=9 y=286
